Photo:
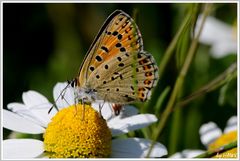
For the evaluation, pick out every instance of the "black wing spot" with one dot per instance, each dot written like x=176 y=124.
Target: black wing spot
x=106 y=66
x=147 y=82
x=117 y=89
x=98 y=58
x=121 y=77
x=114 y=33
x=122 y=49
x=148 y=74
x=125 y=24
x=121 y=65
x=132 y=88
x=91 y=68
x=118 y=45
x=104 y=82
x=142 y=100
x=128 y=29
x=105 y=49
x=97 y=76
x=119 y=37
x=119 y=58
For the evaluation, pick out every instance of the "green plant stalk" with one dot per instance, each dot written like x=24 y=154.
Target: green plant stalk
x=171 y=47
x=161 y=99
x=146 y=131
x=180 y=80
x=223 y=78
x=220 y=150
x=175 y=128
x=180 y=54
x=168 y=54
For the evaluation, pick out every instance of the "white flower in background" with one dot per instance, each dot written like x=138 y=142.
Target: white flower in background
x=212 y=137
x=187 y=153
x=32 y=117
x=220 y=36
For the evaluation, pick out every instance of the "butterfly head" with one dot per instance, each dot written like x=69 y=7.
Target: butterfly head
x=85 y=95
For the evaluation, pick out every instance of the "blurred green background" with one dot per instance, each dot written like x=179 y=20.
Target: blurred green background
x=45 y=44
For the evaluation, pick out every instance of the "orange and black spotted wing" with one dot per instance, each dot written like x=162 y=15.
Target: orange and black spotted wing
x=119 y=34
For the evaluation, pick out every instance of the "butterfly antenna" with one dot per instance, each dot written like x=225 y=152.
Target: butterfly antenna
x=101 y=106
x=53 y=106
x=62 y=96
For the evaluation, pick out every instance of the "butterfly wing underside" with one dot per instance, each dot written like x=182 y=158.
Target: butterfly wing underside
x=116 y=65
x=114 y=31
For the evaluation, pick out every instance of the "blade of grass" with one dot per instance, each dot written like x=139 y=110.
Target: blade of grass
x=229 y=74
x=161 y=99
x=180 y=54
x=170 y=50
x=168 y=54
x=218 y=151
x=176 y=127
x=180 y=79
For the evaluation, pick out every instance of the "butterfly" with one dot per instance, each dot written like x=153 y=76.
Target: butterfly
x=116 y=68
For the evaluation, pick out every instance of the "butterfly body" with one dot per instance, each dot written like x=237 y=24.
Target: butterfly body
x=116 y=68
x=86 y=95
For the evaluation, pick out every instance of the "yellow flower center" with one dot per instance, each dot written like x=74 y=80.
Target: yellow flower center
x=223 y=140
x=77 y=132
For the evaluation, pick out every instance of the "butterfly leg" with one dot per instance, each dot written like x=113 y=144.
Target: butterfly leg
x=100 y=109
x=83 y=109
x=75 y=101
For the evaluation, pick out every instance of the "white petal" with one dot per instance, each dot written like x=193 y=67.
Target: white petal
x=106 y=110
x=128 y=111
x=63 y=96
x=209 y=132
x=42 y=114
x=188 y=153
x=219 y=35
x=136 y=148
x=38 y=114
x=16 y=106
x=33 y=99
x=22 y=148
x=231 y=124
x=223 y=48
x=17 y=123
x=121 y=126
x=213 y=30
x=108 y=113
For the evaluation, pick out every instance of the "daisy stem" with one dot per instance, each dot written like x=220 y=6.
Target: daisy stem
x=229 y=74
x=180 y=79
x=169 y=52
x=218 y=151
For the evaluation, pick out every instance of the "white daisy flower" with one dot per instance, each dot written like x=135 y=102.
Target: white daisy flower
x=211 y=137
x=220 y=36
x=69 y=133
